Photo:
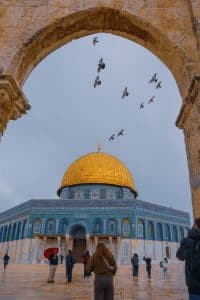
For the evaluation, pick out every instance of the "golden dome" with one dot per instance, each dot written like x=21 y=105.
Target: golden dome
x=97 y=168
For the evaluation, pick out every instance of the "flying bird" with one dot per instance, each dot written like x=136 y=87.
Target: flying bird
x=112 y=137
x=95 y=40
x=121 y=132
x=101 y=65
x=151 y=100
x=125 y=93
x=153 y=79
x=141 y=105
x=158 y=85
x=97 y=81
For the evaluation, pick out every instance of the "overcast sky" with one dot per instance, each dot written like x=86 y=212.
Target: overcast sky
x=70 y=118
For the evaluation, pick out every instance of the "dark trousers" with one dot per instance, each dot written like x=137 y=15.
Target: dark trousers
x=69 y=274
x=5 y=264
x=103 y=288
x=148 y=268
x=135 y=270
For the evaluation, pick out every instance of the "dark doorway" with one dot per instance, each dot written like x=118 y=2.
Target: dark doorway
x=167 y=251
x=79 y=242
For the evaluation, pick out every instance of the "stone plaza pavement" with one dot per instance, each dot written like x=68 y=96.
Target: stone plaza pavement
x=26 y=282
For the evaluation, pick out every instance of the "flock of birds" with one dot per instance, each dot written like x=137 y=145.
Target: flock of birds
x=125 y=93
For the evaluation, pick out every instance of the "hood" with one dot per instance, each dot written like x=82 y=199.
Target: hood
x=194 y=234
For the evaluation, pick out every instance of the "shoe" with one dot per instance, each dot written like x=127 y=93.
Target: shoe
x=53 y=281
x=49 y=281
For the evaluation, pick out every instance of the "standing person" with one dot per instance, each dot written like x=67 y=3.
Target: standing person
x=53 y=264
x=147 y=260
x=86 y=260
x=5 y=260
x=69 y=266
x=104 y=267
x=164 y=266
x=61 y=259
x=135 y=264
x=189 y=251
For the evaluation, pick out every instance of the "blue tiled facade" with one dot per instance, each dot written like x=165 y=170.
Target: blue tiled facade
x=103 y=210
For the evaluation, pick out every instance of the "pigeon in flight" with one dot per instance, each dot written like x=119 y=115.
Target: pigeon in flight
x=121 y=132
x=125 y=93
x=158 y=85
x=97 y=81
x=112 y=137
x=153 y=79
x=101 y=65
x=151 y=100
x=95 y=40
x=141 y=105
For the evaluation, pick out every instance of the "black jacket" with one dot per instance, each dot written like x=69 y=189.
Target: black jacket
x=184 y=254
x=70 y=261
x=53 y=259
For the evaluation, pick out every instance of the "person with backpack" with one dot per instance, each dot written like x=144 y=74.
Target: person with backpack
x=86 y=261
x=135 y=264
x=189 y=251
x=104 y=267
x=147 y=260
x=164 y=266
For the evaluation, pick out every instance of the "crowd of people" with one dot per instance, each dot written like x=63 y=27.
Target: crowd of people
x=104 y=266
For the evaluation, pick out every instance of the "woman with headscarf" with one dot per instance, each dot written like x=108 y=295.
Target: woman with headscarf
x=104 y=267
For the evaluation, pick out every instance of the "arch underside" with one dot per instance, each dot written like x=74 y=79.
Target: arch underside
x=64 y=30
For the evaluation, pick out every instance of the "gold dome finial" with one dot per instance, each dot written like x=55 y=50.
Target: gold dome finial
x=99 y=148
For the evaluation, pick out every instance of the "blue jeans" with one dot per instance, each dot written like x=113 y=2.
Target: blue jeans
x=194 y=297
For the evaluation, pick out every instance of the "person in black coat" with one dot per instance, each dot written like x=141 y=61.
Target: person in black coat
x=5 y=260
x=69 y=266
x=135 y=264
x=189 y=251
x=147 y=260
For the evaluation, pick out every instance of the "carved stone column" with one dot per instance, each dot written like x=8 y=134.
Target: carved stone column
x=13 y=102
x=88 y=241
x=189 y=121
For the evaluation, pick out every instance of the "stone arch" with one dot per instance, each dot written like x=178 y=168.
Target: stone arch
x=159 y=230
x=98 y=226
x=63 y=226
x=126 y=228
x=150 y=231
x=50 y=226
x=37 y=226
x=78 y=231
x=141 y=228
x=56 y=30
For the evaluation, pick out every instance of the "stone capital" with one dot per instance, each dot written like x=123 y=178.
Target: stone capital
x=13 y=102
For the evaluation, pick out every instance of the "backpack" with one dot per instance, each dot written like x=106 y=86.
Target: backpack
x=195 y=259
x=161 y=264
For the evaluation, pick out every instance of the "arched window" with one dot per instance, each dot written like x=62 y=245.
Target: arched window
x=13 y=232
x=112 y=226
x=167 y=233
x=50 y=227
x=63 y=226
x=37 y=226
x=174 y=234
x=19 y=228
x=150 y=231
x=180 y=233
x=159 y=232
x=98 y=226
x=1 y=233
x=9 y=233
x=140 y=228
x=24 y=229
x=5 y=233
x=126 y=228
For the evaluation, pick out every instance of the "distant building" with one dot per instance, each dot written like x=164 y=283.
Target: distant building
x=97 y=203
